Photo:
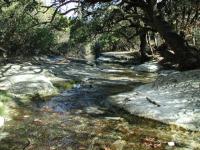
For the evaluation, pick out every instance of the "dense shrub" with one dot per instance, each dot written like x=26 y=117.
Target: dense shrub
x=24 y=29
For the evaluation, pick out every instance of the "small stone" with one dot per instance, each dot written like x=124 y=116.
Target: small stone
x=118 y=145
x=26 y=116
x=113 y=118
x=171 y=144
x=77 y=86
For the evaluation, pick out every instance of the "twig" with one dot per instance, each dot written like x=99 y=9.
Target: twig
x=152 y=102
x=27 y=145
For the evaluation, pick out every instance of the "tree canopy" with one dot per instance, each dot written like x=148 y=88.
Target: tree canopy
x=171 y=19
x=119 y=24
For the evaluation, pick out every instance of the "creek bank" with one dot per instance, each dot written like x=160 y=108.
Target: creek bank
x=172 y=99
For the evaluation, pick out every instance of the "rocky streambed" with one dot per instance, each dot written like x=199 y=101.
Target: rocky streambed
x=64 y=105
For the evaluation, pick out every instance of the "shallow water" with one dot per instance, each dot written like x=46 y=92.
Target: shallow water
x=81 y=118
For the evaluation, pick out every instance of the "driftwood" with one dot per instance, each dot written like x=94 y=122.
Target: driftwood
x=2 y=49
x=152 y=102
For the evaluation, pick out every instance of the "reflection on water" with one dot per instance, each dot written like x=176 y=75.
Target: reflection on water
x=80 y=119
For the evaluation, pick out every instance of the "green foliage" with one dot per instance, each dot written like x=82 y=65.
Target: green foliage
x=79 y=32
x=65 y=85
x=41 y=40
x=117 y=27
x=4 y=99
x=24 y=29
x=2 y=109
x=104 y=29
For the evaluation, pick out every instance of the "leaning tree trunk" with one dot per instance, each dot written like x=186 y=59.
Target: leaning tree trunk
x=186 y=56
x=143 y=47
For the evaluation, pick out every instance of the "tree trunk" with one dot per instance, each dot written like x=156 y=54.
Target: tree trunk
x=186 y=56
x=143 y=47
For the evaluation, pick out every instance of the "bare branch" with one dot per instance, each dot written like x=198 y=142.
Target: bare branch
x=61 y=5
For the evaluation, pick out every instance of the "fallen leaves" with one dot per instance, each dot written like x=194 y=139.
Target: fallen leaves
x=151 y=142
x=39 y=122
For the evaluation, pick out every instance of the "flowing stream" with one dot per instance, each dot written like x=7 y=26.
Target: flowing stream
x=80 y=118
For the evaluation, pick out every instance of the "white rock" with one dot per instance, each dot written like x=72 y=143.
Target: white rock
x=2 y=121
x=171 y=144
x=105 y=59
x=28 y=84
x=77 y=86
x=148 y=67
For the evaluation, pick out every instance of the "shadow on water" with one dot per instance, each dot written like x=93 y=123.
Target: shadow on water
x=82 y=119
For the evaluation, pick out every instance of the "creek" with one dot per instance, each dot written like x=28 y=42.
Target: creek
x=81 y=118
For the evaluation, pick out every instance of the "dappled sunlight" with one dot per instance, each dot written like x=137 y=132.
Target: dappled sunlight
x=171 y=99
x=47 y=129
x=99 y=75
x=81 y=115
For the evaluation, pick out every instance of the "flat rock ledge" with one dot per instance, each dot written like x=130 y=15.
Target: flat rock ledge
x=172 y=99
x=27 y=79
x=22 y=84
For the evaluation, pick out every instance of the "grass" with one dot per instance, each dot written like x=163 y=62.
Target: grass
x=65 y=85
x=4 y=99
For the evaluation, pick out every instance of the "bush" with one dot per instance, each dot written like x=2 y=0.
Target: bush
x=4 y=99
x=23 y=30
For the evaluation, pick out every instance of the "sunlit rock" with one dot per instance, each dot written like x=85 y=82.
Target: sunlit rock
x=113 y=118
x=167 y=72
x=118 y=145
x=28 y=84
x=94 y=110
x=26 y=68
x=147 y=67
x=173 y=99
x=2 y=121
x=171 y=144
x=77 y=86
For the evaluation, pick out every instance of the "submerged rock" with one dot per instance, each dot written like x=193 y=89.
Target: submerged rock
x=148 y=67
x=172 y=99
